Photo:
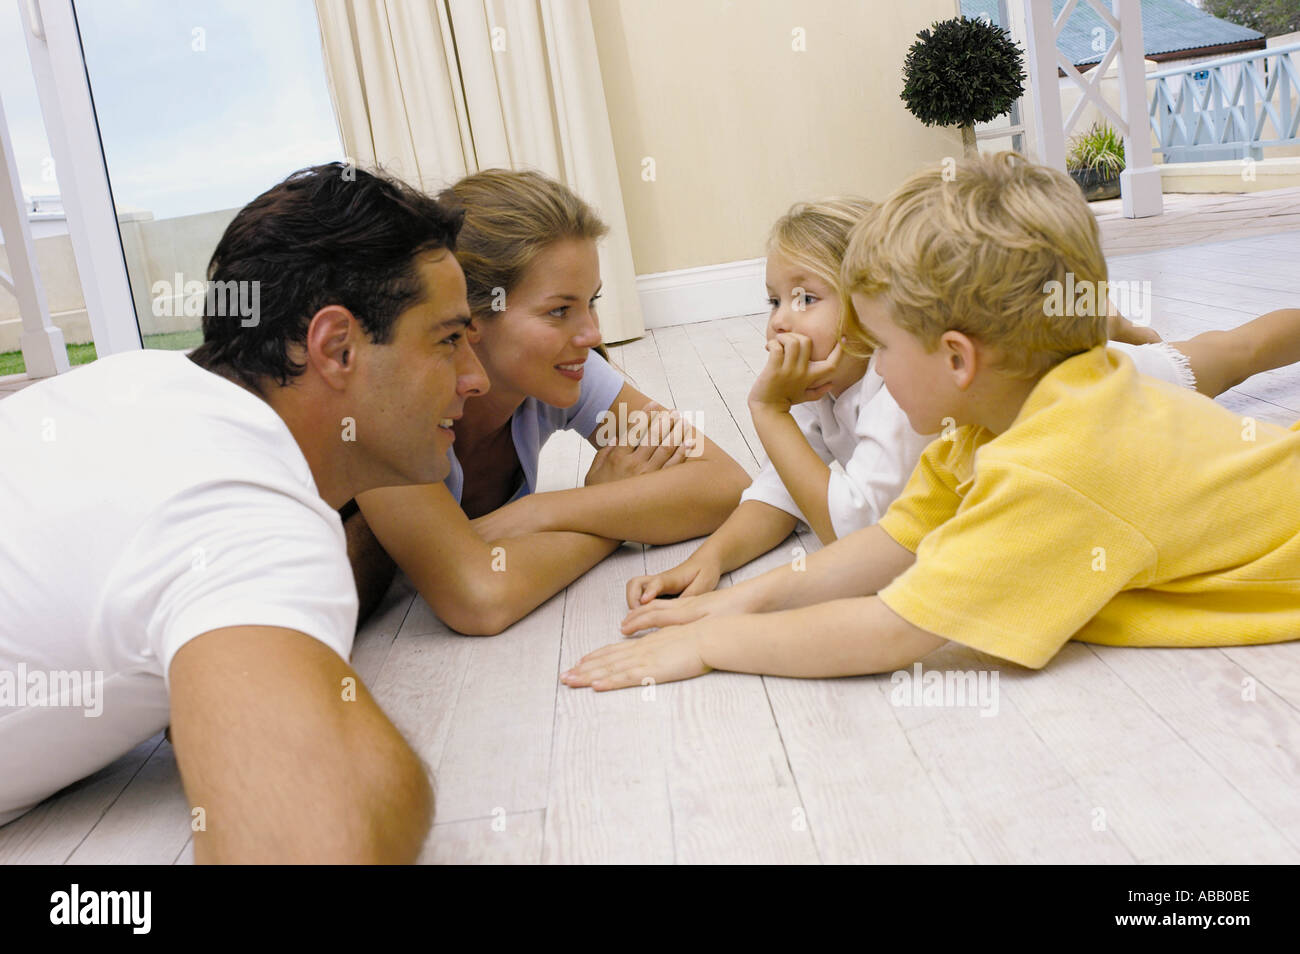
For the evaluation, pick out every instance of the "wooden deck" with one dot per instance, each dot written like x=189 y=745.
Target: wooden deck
x=1108 y=755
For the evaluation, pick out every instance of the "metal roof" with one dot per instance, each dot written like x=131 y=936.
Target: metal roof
x=1168 y=26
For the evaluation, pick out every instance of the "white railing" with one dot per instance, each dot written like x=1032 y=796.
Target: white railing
x=1227 y=109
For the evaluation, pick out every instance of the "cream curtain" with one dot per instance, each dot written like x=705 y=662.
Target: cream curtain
x=435 y=89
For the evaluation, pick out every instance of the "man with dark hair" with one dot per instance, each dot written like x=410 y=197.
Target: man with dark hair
x=172 y=549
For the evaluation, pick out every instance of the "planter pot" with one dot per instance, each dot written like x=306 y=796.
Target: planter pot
x=1094 y=186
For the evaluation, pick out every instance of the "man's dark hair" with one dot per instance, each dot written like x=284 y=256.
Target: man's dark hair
x=328 y=235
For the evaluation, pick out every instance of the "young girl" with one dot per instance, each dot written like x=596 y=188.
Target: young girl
x=840 y=447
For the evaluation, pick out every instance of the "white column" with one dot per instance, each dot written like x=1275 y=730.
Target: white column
x=1140 y=190
x=1040 y=42
x=41 y=342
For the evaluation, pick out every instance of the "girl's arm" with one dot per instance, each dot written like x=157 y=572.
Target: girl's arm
x=752 y=529
x=671 y=504
x=806 y=476
x=847 y=637
x=1223 y=359
x=791 y=377
x=859 y=564
x=477 y=587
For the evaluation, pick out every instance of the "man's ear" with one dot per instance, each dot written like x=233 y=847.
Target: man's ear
x=961 y=356
x=332 y=337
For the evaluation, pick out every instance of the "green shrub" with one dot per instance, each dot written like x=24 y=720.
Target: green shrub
x=1100 y=151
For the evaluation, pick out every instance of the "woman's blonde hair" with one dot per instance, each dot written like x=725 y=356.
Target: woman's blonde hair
x=974 y=248
x=510 y=218
x=815 y=235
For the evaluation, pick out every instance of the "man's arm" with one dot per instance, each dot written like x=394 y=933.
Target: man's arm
x=289 y=756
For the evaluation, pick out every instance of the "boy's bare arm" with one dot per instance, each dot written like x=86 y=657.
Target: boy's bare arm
x=848 y=637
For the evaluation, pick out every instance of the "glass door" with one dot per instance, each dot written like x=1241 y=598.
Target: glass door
x=195 y=108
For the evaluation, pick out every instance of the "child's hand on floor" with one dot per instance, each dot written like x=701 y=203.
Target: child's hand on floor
x=689 y=578
x=685 y=609
x=790 y=375
x=1119 y=328
x=666 y=656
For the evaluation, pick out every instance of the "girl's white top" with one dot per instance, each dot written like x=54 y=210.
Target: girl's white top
x=871 y=448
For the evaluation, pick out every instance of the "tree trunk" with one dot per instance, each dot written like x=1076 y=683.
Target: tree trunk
x=968 y=141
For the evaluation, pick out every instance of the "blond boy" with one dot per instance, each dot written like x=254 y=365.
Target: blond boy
x=1068 y=497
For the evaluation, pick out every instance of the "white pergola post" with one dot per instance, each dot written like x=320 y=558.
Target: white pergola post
x=41 y=341
x=1139 y=183
x=1040 y=40
x=1140 y=189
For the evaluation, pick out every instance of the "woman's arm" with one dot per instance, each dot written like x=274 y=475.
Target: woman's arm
x=668 y=505
x=477 y=587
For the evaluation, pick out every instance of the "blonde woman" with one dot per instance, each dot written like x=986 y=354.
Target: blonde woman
x=482 y=547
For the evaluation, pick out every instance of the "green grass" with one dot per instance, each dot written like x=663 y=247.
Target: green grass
x=11 y=362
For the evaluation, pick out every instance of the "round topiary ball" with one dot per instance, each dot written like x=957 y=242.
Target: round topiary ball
x=961 y=72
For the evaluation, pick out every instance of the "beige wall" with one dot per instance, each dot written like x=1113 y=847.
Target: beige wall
x=740 y=125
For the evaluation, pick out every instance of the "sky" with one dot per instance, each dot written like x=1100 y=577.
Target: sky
x=201 y=104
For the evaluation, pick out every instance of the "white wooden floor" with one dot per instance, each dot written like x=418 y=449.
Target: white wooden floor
x=1109 y=755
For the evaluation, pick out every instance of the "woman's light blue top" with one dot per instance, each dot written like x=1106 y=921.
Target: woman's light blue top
x=534 y=422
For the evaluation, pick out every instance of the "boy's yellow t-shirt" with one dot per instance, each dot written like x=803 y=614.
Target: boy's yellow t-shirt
x=1116 y=509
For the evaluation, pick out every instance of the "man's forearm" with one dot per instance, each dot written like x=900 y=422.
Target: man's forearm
x=805 y=475
x=848 y=637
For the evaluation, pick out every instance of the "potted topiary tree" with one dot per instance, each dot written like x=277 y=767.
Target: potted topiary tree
x=961 y=72
x=1095 y=161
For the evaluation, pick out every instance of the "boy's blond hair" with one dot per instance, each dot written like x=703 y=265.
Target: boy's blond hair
x=973 y=249
x=816 y=236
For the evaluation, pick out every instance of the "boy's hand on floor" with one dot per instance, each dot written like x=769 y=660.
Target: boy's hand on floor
x=666 y=656
x=791 y=376
x=689 y=578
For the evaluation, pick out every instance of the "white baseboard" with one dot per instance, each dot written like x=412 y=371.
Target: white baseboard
x=688 y=295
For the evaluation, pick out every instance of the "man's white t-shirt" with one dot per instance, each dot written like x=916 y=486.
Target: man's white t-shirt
x=144 y=501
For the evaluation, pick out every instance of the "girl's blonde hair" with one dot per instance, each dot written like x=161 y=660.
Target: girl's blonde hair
x=816 y=235
x=510 y=218
x=976 y=250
